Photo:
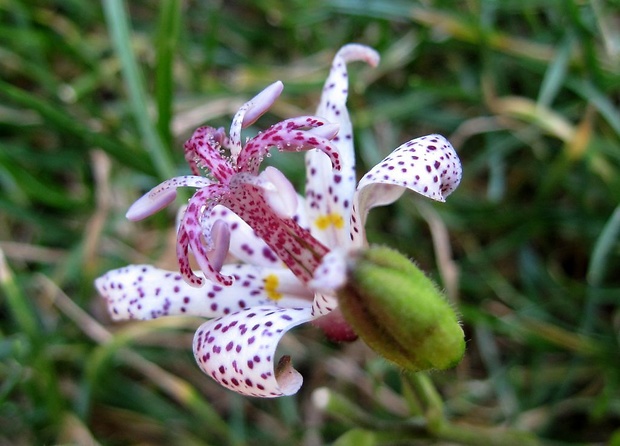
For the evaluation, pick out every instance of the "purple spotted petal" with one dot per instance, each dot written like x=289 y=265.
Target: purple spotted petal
x=203 y=150
x=323 y=304
x=329 y=193
x=293 y=244
x=428 y=165
x=288 y=135
x=238 y=351
x=331 y=274
x=145 y=292
x=245 y=245
x=162 y=195
x=250 y=112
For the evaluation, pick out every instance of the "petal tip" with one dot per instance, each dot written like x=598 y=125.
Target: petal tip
x=151 y=202
x=327 y=131
x=356 y=51
x=258 y=105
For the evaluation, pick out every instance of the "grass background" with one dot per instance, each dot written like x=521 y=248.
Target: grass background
x=95 y=102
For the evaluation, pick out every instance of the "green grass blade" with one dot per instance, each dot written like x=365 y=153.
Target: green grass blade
x=604 y=247
x=555 y=75
x=603 y=104
x=166 y=44
x=66 y=123
x=22 y=311
x=118 y=26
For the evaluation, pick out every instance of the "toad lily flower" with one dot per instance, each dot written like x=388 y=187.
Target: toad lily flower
x=263 y=201
x=288 y=246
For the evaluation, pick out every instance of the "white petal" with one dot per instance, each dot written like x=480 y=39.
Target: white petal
x=329 y=193
x=245 y=245
x=323 y=304
x=146 y=292
x=331 y=273
x=279 y=192
x=238 y=350
x=428 y=165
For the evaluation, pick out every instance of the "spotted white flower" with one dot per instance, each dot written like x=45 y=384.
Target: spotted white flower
x=280 y=239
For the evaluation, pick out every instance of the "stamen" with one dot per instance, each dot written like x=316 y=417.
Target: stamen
x=327 y=131
x=261 y=103
x=220 y=239
x=162 y=195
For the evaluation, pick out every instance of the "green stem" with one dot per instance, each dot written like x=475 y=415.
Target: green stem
x=439 y=427
x=412 y=428
x=431 y=402
x=471 y=435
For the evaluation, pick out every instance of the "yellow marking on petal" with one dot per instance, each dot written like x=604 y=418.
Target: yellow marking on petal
x=271 y=287
x=325 y=221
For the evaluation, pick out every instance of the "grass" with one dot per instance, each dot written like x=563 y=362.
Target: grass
x=95 y=102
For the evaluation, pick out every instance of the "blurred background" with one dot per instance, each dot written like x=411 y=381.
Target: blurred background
x=96 y=100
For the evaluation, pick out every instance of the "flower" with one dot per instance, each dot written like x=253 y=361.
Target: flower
x=263 y=223
x=266 y=201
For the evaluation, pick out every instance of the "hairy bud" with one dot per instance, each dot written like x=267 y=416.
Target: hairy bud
x=399 y=312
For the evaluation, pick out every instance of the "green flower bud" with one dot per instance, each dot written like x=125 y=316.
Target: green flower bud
x=399 y=312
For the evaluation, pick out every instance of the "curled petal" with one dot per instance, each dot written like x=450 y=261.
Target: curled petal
x=329 y=193
x=293 y=134
x=238 y=350
x=355 y=51
x=335 y=91
x=428 y=165
x=145 y=292
x=250 y=112
x=162 y=195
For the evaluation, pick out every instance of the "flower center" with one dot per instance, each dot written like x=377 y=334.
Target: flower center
x=332 y=219
x=271 y=287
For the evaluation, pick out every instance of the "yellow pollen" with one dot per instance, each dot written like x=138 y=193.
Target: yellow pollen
x=271 y=287
x=325 y=221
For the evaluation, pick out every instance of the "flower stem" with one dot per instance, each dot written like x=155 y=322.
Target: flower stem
x=432 y=426
x=439 y=427
x=432 y=405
